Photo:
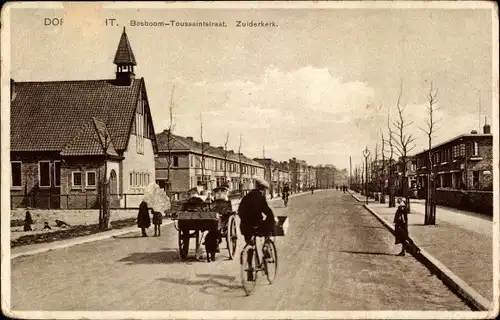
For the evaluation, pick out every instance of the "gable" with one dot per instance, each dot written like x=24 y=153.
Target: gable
x=142 y=105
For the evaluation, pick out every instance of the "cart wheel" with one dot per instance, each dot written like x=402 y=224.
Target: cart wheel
x=183 y=243
x=231 y=236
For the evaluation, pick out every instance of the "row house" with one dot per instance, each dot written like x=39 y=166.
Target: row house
x=464 y=162
x=193 y=163
x=411 y=174
x=298 y=172
x=275 y=173
x=326 y=176
x=68 y=136
x=311 y=176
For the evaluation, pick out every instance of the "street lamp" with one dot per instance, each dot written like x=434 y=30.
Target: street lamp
x=366 y=154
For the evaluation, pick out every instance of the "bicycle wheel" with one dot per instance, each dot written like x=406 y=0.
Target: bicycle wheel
x=270 y=260
x=249 y=266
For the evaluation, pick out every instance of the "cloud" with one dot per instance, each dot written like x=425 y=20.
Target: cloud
x=296 y=113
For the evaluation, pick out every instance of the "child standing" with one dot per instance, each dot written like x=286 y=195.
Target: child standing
x=157 y=221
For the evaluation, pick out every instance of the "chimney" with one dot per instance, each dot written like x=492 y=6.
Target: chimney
x=206 y=144
x=473 y=132
x=220 y=148
x=231 y=151
x=166 y=131
x=486 y=128
x=189 y=138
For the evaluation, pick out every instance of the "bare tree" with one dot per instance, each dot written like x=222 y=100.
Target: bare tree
x=382 y=170
x=169 y=141
x=430 y=204
x=105 y=141
x=225 y=157
x=390 y=178
x=404 y=143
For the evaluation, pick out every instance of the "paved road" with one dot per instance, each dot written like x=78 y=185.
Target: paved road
x=336 y=256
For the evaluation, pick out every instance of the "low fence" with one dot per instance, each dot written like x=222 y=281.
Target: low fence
x=75 y=201
x=471 y=200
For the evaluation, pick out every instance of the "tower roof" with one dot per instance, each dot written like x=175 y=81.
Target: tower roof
x=124 y=54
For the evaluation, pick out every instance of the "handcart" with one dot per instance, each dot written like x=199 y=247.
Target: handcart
x=197 y=217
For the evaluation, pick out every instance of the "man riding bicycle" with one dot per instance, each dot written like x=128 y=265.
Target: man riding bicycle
x=250 y=211
x=286 y=191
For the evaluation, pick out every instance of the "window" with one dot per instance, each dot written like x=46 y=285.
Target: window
x=475 y=179
x=475 y=148
x=44 y=173
x=131 y=179
x=462 y=150
x=91 y=181
x=16 y=167
x=57 y=173
x=176 y=161
x=77 y=179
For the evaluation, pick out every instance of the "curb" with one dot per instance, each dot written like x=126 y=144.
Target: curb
x=61 y=244
x=77 y=240
x=475 y=300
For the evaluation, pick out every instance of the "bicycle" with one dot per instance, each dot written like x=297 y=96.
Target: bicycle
x=285 y=200
x=250 y=257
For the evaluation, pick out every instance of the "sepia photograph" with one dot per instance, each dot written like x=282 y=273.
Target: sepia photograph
x=257 y=160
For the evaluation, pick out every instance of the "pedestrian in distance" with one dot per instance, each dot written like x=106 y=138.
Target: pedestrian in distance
x=157 y=222
x=401 y=226
x=143 y=219
x=28 y=221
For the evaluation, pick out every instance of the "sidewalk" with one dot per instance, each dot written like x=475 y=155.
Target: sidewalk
x=460 y=240
x=44 y=247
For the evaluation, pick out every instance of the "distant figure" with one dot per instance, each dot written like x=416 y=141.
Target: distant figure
x=28 y=221
x=312 y=189
x=143 y=219
x=401 y=225
x=337 y=187
x=157 y=221
x=46 y=226
x=61 y=224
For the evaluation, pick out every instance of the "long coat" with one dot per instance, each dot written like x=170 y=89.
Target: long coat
x=401 y=224
x=143 y=219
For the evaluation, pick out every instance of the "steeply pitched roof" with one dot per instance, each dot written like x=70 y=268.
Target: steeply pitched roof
x=91 y=140
x=124 y=53
x=46 y=116
x=179 y=143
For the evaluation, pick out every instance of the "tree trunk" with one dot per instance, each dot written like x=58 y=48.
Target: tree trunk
x=430 y=203
x=392 y=196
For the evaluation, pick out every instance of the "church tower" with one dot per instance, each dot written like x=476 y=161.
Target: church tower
x=125 y=61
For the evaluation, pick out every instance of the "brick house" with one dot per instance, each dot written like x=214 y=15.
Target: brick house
x=464 y=162
x=411 y=174
x=66 y=134
x=186 y=170
x=275 y=173
x=298 y=173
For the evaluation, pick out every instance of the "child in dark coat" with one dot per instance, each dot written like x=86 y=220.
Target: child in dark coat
x=157 y=221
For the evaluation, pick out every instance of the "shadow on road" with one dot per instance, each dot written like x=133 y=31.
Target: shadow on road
x=366 y=252
x=168 y=256
x=128 y=237
x=212 y=284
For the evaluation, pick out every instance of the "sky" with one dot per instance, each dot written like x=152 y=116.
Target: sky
x=318 y=87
